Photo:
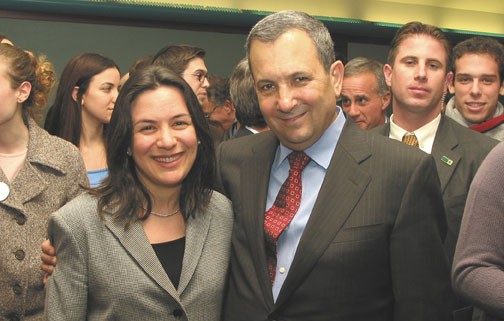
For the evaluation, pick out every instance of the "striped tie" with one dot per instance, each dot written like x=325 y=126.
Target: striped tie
x=410 y=139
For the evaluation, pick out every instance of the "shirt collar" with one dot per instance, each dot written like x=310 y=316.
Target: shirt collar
x=425 y=134
x=252 y=130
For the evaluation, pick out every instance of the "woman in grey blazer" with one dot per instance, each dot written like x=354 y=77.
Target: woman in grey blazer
x=153 y=241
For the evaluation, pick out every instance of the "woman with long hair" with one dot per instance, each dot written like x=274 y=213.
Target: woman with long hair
x=152 y=242
x=85 y=98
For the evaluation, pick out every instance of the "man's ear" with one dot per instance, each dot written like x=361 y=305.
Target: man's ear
x=386 y=100
x=501 y=90
x=387 y=71
x=23 y=92
x=336 y=72
x=229 y=107
x=449 y=82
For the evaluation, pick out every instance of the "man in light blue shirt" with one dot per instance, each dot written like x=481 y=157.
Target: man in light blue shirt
x=312 y=177
x=366 y=240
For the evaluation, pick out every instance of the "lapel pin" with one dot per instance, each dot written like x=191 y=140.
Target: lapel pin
x=446 y=160
x=4 y=191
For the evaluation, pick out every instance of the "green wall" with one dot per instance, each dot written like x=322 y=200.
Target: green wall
x=62 y=40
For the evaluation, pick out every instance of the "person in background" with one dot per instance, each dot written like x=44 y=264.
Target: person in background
x=84 y=102
x=332 y=222
x=154 y=234
x=478 y=67
x=218 y=107
x=244 y=99
x=189 y=63
x=418 y=74
x=478 y=266
x=39 y=173
x=365 y=95
x=140 y=62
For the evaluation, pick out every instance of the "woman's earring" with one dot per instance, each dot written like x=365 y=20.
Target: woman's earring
x=128 y=152
x=199 y=142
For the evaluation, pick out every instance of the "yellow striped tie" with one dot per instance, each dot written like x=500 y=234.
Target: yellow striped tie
x=410 y=139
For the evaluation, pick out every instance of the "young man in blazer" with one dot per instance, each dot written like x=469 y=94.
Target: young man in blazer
x=418 y=74
x=366 y=241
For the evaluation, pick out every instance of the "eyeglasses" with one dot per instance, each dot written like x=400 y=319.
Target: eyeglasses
x=209 y=114
x=199 y=75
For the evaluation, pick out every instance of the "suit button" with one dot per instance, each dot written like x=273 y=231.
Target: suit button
x=17 y=289
x=21 y=220
x=19 y=254
x=177 y=313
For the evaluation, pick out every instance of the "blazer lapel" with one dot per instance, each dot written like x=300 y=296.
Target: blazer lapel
x=135 y=242
x=29 y=184
x=196 y=234
x=444 y=152
x=254 y=193
x=343 y=186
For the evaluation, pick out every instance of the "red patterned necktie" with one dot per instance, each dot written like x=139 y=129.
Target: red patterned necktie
x=286 y=204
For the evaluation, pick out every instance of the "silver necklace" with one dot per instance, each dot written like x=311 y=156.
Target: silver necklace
x=162 y=215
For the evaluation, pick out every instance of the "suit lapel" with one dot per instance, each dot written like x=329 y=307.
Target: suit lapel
x=196 y=234
x=343 y=186
x=383 y=130
x=444 y=152
x=254 y=188
x=135 y=242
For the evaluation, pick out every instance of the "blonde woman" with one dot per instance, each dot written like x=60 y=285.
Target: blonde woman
x=39 y=173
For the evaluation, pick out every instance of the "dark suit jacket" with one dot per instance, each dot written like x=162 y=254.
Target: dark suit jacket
x=242 y=131
x=458 y=153
x=371 y=249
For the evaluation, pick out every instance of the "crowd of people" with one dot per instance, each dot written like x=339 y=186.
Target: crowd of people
x=299 y=188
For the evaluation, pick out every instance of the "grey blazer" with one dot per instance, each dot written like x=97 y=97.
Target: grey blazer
x=49 y=178
x=107 y=272
x=371 y=249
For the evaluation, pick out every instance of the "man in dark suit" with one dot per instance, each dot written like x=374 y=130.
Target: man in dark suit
x=365 y=95
x=418 y=73
x=365 y=242
x=244 y=98
x=218 y=106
